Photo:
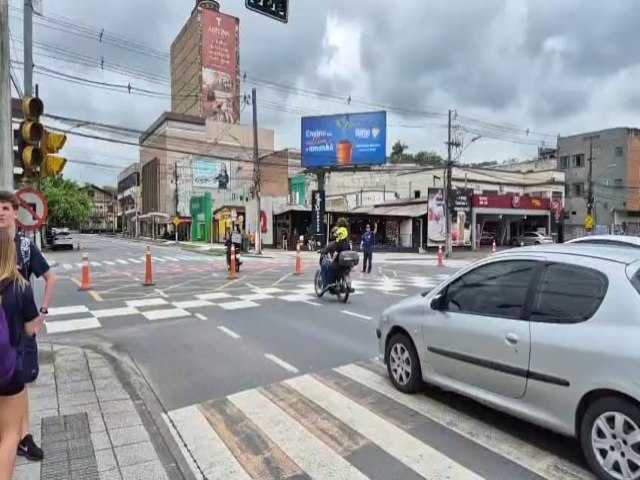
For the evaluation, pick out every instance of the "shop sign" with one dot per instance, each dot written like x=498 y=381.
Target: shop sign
x=508 y=202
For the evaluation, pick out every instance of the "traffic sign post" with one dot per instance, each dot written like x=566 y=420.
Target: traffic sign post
x=176 y=224
x=33 y=209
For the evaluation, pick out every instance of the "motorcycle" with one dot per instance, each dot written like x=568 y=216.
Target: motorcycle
x=341 y=286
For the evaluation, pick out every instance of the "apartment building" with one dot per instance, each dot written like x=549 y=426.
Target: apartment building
x=613 y=155
x=104 y=209
x=129 y=199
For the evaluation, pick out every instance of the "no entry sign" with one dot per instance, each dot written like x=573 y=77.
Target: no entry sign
x=33 y=209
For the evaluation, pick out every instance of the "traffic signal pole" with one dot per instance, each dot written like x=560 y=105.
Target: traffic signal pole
x=27 y=27
x=6 y=130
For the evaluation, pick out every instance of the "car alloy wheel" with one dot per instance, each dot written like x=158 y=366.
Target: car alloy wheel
x=615 y=440
x=403 y=364
x=610 y=438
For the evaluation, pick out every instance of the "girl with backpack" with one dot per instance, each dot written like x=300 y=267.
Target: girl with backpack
x=18 y=316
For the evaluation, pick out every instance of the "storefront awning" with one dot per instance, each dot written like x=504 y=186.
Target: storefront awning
x=409 y=211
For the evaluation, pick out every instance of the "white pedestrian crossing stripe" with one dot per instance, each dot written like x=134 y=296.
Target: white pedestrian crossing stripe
x=351 y=423
x=131 y=261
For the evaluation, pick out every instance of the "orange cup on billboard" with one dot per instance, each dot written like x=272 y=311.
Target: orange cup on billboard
x=345 y=150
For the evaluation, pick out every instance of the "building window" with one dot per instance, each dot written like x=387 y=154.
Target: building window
x=618 y=182
x=567 y=192
x=578 y=160
x=564 y=162
x=618 y=151
x=416 y=194
x=577 y=189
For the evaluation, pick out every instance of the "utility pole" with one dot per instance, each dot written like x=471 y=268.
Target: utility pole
x=6 y=130
x=449 y=200
x=256 y=173
x=28 y=47
x=590 y=195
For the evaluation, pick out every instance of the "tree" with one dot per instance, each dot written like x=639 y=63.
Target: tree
x=398 y=149
x=69 y=206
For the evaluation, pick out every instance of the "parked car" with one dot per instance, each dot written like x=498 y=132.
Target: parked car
x=532 y=238
x=61 y=238
x=487 y=238
x=614 y=240
x=548 y=334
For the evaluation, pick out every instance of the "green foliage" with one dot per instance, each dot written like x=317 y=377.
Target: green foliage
x=426 y=158
x=69 y=206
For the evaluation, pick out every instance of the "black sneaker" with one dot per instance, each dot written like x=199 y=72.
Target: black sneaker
x=27 y=448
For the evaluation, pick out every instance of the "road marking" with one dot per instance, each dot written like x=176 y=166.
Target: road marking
x=282 y=279
x=63 y=326
x=238 y=305
x=396 y=294
x=67 y=266
x=255 y=296
x=172 y=259
x=95 y=295
x=213 y=296
x=309 y=302
x=159 y=259
x=316 y=458
x=420 y=457
x=357 y=315
x=146 y=302
x=161 y=293
x=123 y=262
x=201 y=316
x=281 y=363
x=79 y=265
x=134 y=260
x=115 y=312
x=108 y=262
x=96 y=264
x=519 y=451
x=192 y=304
x=208 y=449
x=165 y=314
x=228 y=331
x=229 y=283
x=67 y=310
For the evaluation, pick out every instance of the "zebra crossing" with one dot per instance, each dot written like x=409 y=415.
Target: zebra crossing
x=350 y=423
x=137 y=260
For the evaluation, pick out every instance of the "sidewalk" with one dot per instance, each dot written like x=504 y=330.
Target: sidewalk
x=87 y=423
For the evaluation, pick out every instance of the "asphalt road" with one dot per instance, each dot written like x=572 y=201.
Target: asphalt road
x=200 y=338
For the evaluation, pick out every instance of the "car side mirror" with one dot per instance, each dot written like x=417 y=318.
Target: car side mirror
x=437 y=303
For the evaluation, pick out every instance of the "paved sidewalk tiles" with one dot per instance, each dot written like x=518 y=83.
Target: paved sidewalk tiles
x=86 y=422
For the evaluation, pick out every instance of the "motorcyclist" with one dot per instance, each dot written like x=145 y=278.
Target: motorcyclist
x=332 y=267
x=326 y=255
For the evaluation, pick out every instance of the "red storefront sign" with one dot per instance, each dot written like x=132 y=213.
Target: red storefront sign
x=511 y=202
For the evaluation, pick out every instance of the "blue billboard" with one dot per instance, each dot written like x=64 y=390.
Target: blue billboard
x=343 y=140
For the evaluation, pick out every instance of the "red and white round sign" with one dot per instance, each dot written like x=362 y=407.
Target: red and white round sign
x=33 y=209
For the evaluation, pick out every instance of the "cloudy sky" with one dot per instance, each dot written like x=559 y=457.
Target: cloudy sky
x=517 y=72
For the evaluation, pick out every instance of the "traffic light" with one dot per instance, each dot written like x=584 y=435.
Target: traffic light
x=276 y=9
x=52 y=143
x=30 y=135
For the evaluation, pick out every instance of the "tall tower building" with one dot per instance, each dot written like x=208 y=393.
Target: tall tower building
x=205 y=65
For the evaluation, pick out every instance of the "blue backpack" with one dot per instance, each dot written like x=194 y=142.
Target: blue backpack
x=8 y=353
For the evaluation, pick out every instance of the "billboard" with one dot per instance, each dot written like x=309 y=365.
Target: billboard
x=220 y=66
x=211 y=173
x=460 y=218
x=346 y=139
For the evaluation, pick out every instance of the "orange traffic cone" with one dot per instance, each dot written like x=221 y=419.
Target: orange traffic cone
x=298 y=261
x=493 y=249
x=148 y=276
x=440 y=256
x=86 y=281
x=232 y=271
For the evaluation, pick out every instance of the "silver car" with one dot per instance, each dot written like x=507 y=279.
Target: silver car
x=532 y=238
x=550 y=334
x=617 y=240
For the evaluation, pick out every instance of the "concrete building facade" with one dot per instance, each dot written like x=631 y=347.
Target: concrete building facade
x=104 y=210
x=615 y=161
x=129 y=199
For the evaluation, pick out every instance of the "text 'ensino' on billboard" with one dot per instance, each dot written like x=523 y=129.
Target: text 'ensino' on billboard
x=346 y=139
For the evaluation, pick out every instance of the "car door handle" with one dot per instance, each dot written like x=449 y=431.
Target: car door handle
x=511 y=338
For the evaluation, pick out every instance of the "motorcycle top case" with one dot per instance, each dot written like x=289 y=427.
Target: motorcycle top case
x=348 y=259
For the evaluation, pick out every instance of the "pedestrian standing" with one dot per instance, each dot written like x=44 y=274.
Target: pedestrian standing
x=366 y=245
x=30 y=262
x=19 y=317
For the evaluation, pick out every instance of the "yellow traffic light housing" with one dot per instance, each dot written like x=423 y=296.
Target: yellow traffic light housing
x=53 y=165
x=31 y=133
x=52 y=143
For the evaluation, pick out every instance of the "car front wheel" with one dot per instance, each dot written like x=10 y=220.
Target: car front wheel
x=610 y=438
x=403 y=364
